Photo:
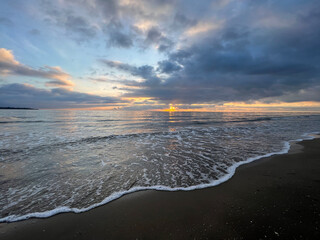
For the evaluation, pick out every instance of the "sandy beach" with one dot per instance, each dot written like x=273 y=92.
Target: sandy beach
x=272 y=198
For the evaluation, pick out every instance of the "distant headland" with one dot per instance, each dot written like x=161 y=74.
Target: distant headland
x=15 y=108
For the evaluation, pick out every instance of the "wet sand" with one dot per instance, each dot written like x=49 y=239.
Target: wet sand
x=273 y=198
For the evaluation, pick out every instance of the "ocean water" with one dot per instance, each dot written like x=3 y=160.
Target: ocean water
x=55 y=161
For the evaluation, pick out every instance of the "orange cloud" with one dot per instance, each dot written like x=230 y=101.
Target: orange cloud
x=10 y=66
x=7 y=57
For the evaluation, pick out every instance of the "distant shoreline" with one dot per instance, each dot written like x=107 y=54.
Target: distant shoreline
x=14 y=108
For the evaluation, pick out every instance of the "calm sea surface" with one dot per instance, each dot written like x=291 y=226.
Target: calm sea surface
x=55 y=161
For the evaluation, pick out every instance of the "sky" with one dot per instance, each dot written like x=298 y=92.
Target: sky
x=218 y=55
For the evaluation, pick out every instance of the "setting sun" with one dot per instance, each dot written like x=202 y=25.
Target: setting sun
x=172 y=108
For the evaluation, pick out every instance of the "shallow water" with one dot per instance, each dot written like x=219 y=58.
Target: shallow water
x=56 y=161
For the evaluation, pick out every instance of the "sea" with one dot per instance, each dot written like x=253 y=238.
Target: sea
x=54 y=161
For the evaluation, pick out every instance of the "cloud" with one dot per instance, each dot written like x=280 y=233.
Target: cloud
x=117 y=20
x=117 y=36
x=155 y=37
x=201 y=27
x=244 y=60
x=10 y=66
x=83 y=21
x=212 y=51
x=301 y=95
x=72 y=17
x=80 y=26
x=166 y=66
x=181 y=21
x=99 y=79
x=24 y=95
x=120 y=39
x=146 y=72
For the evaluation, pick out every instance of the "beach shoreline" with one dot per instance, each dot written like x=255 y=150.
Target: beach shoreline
x=288 y=145
x=272 y=197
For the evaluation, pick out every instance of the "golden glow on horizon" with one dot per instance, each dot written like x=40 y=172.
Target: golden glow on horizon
x=247 y=107
x=170 y=109
x=270 y=105
x=226 y=107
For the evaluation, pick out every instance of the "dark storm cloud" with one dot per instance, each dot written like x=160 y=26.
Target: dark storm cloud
x=168 y=66
x=85 y=20
x=119 y=39
x=216 y=51
x=117 y=36
x=109 y=8
x=181 y=21
x=308 y=94
x=146 y=72
x=22 y=95
x=267 y=58
x=155 y=37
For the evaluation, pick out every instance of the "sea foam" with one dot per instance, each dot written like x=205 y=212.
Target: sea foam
x=230 y=172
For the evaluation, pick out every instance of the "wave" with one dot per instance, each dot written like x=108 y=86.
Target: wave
x=28 y=121
x=13 y=120
x=6 y=122
x=234 y=121
x=112 y=120
x=6 y=152
x=257 y=119
x=230 y=172
x=175 y=120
